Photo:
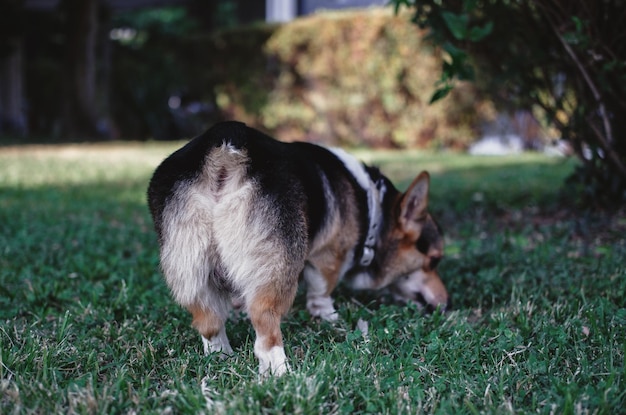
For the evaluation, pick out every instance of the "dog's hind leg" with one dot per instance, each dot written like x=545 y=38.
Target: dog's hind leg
x=210 y=325
x=190 y=272
x=266 y=309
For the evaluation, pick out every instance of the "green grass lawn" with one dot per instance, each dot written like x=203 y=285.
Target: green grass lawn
x=87 y=324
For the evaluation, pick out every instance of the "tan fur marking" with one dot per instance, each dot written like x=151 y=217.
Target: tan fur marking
x=331 y=272
x=433 y=290
x=206 y=322
x=413 y=205
x=434 y=284
x=330 y=249
x=402 y=257
x=266 y=310
x=427 y=284
x=329 y=265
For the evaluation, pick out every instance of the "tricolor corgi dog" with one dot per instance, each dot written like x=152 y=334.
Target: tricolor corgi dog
x=242 y=217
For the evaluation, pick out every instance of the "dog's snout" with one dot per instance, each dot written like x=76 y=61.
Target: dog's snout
x=447 y=306
x=442 y=307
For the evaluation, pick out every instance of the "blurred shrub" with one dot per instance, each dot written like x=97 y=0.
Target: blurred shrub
x=235 y=73
x=341 y=78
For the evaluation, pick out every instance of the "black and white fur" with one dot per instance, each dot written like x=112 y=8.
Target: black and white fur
x=241 y=216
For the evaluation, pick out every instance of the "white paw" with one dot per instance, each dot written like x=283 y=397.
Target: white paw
x=272 y=361
x=322 y=307
x=218 y=344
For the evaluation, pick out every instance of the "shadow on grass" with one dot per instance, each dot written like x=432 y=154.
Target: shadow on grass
x=505 y=227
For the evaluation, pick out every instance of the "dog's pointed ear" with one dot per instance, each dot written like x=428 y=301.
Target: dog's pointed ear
x=413 y=205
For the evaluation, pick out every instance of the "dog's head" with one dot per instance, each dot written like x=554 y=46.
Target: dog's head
x=414 y=248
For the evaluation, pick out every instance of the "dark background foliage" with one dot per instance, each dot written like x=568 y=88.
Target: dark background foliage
x=95 y=69
x=350 y=78
x=566 y=58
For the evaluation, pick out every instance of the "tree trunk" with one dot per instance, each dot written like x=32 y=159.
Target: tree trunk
x=80 y=114
x=12 y=110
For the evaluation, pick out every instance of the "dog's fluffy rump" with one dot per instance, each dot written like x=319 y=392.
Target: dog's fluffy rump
x=241 y=216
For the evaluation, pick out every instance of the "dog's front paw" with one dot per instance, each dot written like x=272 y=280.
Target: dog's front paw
x=322 y=307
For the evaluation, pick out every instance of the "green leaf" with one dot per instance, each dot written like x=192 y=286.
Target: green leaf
x=457 y=23
x=457 y=66
x=470 y=5
x=479 y=33
x=571 y=38
x=440 y=93
x=465 y=71
x=579 y=23
x=397 y=4
x=448 y=70
x=454 y=52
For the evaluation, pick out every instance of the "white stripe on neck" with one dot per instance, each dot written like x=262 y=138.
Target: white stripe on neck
x=374 y=201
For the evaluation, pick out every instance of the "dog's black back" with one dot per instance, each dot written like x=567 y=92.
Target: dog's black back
x=287 y=172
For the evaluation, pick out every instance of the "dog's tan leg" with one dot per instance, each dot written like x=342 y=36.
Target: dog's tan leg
x=266 y=309
x=319 y=286
x=211 y=327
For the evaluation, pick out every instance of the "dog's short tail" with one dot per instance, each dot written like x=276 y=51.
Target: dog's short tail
x=226 y=168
